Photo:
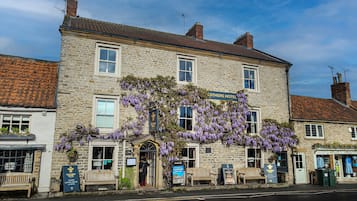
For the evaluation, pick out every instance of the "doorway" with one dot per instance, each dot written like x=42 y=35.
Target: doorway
x=148 y=151
x=300 y=169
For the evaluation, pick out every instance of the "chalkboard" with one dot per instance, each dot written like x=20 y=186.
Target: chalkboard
x=70 y=178
x=271 y=173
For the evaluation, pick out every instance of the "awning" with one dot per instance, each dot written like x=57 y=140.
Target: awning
x=41 y=147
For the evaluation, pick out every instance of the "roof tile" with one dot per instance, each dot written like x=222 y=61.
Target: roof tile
x=318 y=109
x=27 y=82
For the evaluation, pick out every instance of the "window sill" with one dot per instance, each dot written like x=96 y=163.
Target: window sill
x=17 y=137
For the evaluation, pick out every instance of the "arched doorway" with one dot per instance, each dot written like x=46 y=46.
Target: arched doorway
x=148 y=150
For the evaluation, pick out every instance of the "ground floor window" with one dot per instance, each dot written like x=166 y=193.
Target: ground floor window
x=254 y=157
x=16 y=161
x=102 y=157
x=189 y=156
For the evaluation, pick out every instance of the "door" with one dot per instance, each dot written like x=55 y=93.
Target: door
x=148 y=151
x=300 y=169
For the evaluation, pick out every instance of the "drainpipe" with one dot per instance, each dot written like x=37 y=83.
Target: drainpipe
x=123 y=162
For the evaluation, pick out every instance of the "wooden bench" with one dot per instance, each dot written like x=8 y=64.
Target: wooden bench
x=245 y=174
x=200 y=174
x=98 y=177
x=16 y=181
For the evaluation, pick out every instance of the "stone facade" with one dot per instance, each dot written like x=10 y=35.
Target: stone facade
x=79 y=84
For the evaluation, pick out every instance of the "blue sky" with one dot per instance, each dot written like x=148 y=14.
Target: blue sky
x=311 y=34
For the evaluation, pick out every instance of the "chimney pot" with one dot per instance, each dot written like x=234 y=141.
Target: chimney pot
x=196 y=31
x=71 y=8
x=245 y=40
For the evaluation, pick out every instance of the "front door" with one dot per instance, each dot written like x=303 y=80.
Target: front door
x=148 y=151
x=300 y=169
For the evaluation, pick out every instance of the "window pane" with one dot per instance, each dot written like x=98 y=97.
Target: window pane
x=189 y=112
x=109 y=152
x=184 y=152
x=252 y=75
x=105 y=121
x=182 y=65
x=189 y=124
x=189 y=66
x=252 y=85
x=102 y=66
x=103 y=54
x=182 y=111
x=112 y=55
x=320 y=131
x=313 y=130
x=182 y=76
x=111 y=67
x=182 y=123
x=307 y=130
x=246 y=74
x=189 y=77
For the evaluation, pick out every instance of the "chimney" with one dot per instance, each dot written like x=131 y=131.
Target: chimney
x=196 y=31
x=341 y=90
x=71 y=9
x=245 y=40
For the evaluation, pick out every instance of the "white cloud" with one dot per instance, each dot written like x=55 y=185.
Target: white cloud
x=36 y=8
x=4 y=43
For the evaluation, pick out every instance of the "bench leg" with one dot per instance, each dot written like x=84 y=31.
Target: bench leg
x=29 y=193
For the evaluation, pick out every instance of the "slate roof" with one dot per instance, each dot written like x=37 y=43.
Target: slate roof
x=318 y=109
x=91 y=26
x=26 y=82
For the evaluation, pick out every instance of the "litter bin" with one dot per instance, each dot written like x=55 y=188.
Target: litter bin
x=323 y=177
x=332 y=177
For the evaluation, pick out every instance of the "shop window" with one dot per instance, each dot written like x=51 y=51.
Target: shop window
x=189 y=156
x=254 y=158
x=16 y=161
x=102 y=158
x=282 y=161
x=323 y=161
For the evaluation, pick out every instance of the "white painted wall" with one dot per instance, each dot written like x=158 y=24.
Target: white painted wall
x=42 y=124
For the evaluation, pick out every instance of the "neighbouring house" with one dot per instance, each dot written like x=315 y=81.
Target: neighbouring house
x=95 y=55
x=327 y=131
x=27 y=117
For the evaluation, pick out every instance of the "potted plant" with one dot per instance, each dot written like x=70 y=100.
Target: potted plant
x=72 y=155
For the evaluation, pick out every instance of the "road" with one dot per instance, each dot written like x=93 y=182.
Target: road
x=325 y=195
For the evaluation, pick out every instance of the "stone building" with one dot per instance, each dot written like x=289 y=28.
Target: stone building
x=27 y=117
x=96 y=54
x=327 y=134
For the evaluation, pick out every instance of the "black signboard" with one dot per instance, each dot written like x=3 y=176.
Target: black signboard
x=271 y=173
x=154 y=120
x=70 y=179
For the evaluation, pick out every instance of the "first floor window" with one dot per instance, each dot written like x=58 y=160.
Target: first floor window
x=108 y=59
x=252 y=121
x=16 y=160
x=15 y=123
x=105 y=112
x=188 y=157
x=185 y=69
x=102 y=158
x=314 y=131
x=354 y=132
x=250 y=78
x=185 y=118
x=254 y=158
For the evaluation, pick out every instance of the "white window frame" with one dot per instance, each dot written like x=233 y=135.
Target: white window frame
x=255 y=69
x=116 y=112
x=261 y=156
x=104 y=144
x=194 y=68
x=317 y=131
x=195 y=146
x=21 y=116
x=257 y=111
x=193 y=117
x=118 y=59
x=353 y=132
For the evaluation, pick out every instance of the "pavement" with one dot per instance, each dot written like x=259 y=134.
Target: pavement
x=199 y=192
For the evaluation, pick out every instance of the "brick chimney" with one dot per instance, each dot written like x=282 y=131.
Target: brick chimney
x=196 y=31
x=341 y=90
x=245 y=40
x=71 y=8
